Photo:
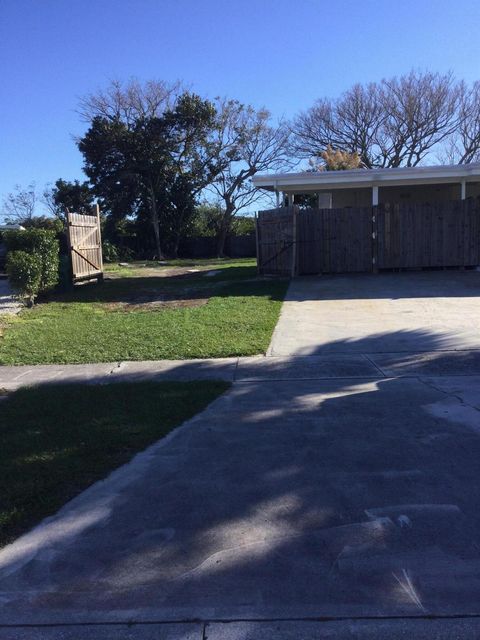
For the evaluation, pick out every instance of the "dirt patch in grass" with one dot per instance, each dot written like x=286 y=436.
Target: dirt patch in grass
x=140 y=271
x=156 y=303
x=154 y=299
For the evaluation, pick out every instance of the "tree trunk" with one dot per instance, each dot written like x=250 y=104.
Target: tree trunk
x=156 y=228
x=221 y=238
x=175 y=246
x=222 y=234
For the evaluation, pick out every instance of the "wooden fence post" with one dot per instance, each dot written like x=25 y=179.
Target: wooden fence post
x=257 y=244
x=294 y=241
x=100 y=253
x=375 y=210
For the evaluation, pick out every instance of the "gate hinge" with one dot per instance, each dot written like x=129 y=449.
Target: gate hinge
x=374 y=234
x=374 y=260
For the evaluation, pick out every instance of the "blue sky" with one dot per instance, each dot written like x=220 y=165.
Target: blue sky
x=282 y=54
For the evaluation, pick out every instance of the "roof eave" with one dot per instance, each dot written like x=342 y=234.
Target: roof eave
x=367 y=177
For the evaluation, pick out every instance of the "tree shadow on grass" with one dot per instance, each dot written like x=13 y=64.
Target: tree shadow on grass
x=191 y=286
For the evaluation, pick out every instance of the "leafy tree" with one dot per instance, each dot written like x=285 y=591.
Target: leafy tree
x=243 y=226
x=208 y=218
x=44 y=222
x=206 y=221
x=153 y=165
x=66 y=196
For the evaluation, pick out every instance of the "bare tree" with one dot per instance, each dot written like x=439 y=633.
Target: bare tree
x=245 y=143
x=19 y=205
x=463 y=146
x=420 y=111
x=130 y=101
x=349 y=124
x=394 y=123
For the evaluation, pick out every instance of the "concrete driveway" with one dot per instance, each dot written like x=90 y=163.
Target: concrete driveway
x=390 y=312
x=330 y=496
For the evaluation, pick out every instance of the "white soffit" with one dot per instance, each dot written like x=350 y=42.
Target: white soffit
x=363 y=178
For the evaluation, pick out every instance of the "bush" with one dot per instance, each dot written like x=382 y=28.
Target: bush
x=126 y=254
x=40 y=244
x=25 y=274
x=44 y=222
x=109 y=252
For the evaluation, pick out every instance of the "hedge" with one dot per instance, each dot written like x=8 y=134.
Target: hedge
x=32 y=261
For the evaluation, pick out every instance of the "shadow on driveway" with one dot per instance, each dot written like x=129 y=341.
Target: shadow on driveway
x=284 y=499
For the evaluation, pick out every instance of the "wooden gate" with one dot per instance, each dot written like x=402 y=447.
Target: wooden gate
x=365 y=239
x=294 y=241
x=276 y=242
x=85 y=243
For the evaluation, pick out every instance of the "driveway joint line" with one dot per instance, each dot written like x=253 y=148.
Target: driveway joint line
x=234 y=375
x=375 y=365
x=207 y=621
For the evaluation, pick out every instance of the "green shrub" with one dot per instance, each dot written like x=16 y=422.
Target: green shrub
x=110 y=252
x=25 y=274
x=125 y=254
x=41 y=244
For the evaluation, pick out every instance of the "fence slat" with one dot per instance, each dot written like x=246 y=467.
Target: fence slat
x=406 y=236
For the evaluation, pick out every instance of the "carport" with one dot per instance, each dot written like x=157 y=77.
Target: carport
x=368 y=220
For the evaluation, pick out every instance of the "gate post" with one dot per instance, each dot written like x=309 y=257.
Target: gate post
x=257 y=244
x=375 y=239
x=294 y=239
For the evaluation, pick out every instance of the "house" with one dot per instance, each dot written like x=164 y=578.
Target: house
x=367 y=187
x=365 y=220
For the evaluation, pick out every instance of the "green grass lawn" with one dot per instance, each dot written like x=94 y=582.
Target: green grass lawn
x=56 y=440
x=116 y=321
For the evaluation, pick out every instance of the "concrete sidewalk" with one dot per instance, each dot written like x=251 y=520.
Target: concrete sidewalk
x=322 y=367
x=381 y=629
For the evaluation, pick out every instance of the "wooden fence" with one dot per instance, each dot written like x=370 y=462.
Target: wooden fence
x=400 y=236
x=85 y=243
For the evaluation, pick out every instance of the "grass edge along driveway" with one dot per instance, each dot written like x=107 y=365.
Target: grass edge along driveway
x=56 y=440
x=93 y=324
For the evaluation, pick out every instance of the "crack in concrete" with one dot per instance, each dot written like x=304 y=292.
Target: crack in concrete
x=116 y=367
x=449 y=394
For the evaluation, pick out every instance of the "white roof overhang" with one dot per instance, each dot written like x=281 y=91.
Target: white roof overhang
x=361 y=178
